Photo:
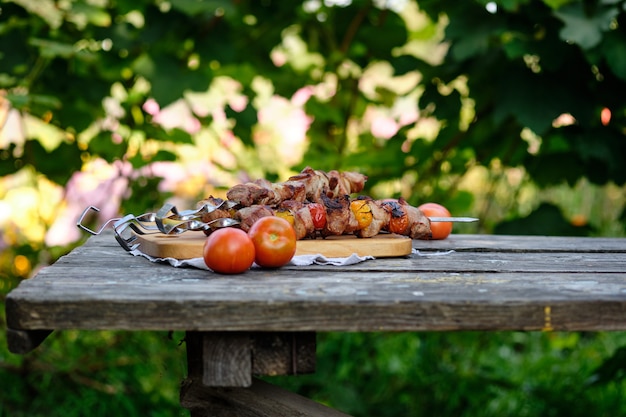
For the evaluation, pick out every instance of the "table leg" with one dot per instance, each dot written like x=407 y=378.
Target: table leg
x=229 y=359
x=221 y=366
x=24 y=341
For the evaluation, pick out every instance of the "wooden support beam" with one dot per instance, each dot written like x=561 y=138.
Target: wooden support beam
x=284 y=353
x=261 y=399
x=229 y=359
x=24 y=341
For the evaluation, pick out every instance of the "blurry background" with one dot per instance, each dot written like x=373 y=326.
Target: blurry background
x=510 y=111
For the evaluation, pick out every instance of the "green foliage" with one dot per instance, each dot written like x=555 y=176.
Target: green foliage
x=48 y=162
x=547 y=219
x=514 y=68
x=467 y=374
x=99 y=373
x=526 y=64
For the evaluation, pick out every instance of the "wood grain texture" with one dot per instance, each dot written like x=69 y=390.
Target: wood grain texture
x=229 y=359
x=486 y=283
x=533 y=244
x=190 y=245
x=261 y=399
x=283 y=353
x=226 y=359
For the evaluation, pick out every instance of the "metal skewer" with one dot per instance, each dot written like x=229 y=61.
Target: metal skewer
x=169 y=220
x=453 y=219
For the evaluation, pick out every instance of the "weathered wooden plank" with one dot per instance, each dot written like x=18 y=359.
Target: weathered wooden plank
x=229 y=359
x=261 y=399
x=478 y=243
x=162 y=284
x=111 y=261
x=507 y=243
x=99 y=286
x=283 y=353
x=226 y=359
x=413 y=308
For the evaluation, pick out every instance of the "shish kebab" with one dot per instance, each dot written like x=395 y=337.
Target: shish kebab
x=318 y=203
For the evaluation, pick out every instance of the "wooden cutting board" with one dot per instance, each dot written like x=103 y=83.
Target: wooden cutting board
x=189 y=245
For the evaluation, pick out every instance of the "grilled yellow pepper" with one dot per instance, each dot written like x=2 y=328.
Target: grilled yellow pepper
x=362 y=213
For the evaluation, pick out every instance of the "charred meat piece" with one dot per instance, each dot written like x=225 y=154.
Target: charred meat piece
x=300 y=218
x=315 y=183
x=332 y=184
x=248 y=194
x=405 y=219
x=264 y=192
x=309 y=184
x=281 y=191
x=419 y=224
x=248 y=215
x=398 y=217
x=342 y=183
x=337 y=216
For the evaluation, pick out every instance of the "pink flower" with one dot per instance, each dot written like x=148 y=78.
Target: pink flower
x=151 y=107
x=102 y=185
x=384 y=127
x=178 y=115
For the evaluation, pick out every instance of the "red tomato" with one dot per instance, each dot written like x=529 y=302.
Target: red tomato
x=228 y=251
x=274 y=241
x=440 y=230
x=318 y=214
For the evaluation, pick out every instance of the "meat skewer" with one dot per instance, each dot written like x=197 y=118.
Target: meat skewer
x=363 y=217
x=318 y=203
x=309 y=185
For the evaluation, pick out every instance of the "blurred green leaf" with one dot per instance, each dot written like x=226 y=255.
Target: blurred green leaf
x=52 y=49
x=104 y=146
x=162 y=155
x=10 y=164
x=194 y=7
x=613 y=40
x=45 y=9
x=545 y=220
x=145 y=195
x=174 y=135
x=83 y=13
x=246 y=120
x=612 y=369
x=583 y=28
x=48 y=162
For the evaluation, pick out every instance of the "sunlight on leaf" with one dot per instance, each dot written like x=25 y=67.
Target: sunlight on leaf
x=52 y=49
x=46 y=9
x=583 y=29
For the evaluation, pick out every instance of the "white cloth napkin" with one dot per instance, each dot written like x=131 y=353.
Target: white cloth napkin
x=300 y=260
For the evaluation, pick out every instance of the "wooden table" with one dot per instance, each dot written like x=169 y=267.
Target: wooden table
x=264 y=322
